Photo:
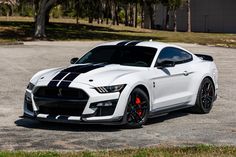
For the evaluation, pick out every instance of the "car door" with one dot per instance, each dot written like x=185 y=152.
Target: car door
x=171 y=85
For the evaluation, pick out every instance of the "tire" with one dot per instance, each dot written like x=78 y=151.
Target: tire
x=137 y=109
x=205 y=97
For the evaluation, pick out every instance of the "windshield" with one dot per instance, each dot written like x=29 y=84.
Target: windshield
x=123 y=55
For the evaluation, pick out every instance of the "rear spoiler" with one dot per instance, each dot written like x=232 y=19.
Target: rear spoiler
x=205 y=57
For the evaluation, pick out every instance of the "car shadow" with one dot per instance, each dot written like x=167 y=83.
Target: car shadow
x=33 y=124
x=171 y=115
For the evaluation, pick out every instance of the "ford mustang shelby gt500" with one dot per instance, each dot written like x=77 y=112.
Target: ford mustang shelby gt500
x=123 y=82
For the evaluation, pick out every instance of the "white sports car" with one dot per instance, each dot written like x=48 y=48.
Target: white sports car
x=123 y=82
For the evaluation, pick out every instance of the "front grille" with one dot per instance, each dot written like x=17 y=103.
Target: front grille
x=67 y=101
x=61 y=93
x=61 y=111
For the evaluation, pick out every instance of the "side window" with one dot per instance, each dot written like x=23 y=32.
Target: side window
x=174 y=54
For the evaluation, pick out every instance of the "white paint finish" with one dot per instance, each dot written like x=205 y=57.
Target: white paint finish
x=172 y=86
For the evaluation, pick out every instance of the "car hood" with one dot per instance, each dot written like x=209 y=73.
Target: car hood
x=90 y=74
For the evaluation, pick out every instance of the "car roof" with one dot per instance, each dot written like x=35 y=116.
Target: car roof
x=153 y=44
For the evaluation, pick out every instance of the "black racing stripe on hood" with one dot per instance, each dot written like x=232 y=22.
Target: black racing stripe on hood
x=83 y=68
x=53 y=83
x=56 y=79
x=72 y=73
x=59 y=76
x=133 y=43
x=71 y=76
x=68 y=79
x=64 y=84
x=122 y=43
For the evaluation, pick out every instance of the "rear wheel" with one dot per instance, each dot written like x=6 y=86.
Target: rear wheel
x=205 y=97
x=137 y=108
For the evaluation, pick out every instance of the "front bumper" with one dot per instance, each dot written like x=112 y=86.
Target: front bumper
x=71 y=120
x=88 y=115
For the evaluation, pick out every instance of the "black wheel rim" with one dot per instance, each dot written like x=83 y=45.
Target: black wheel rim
x=137 y=108
x=207 y=95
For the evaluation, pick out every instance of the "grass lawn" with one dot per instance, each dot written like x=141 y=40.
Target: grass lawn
x=22 y=29
x=200 y=150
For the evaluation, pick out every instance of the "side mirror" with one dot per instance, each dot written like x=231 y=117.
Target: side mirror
x=165 y=64
x=73 y=60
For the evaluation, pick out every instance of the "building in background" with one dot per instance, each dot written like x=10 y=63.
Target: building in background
x=206 y=16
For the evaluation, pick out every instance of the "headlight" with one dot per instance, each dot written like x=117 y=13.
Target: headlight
x=30 y=86
x=110 y=89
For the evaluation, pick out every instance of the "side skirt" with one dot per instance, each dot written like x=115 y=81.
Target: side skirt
x=165 y=110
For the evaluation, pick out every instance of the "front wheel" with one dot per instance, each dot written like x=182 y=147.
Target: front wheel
x=205 y=97
x=137 y=108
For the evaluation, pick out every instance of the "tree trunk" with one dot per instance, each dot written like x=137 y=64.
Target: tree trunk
x=107 y=21
x=90 y=19
x=44 y=8
x=8 y=14
x=142 y=16
x=77 y=11
x=107 y=10
x=135 y=14
x=21 y=9
x=167 y=19
x=175 y=22
x=36 y=8
x=146 y=12
x=40 y=21
x=151 y=16
x=116 y=14
x=189 y=15
x=113 y=12
x=130 y=14
x=12 y=10
x=8 y=11
x=40 y=25
x=77 y=18
x=126 y=15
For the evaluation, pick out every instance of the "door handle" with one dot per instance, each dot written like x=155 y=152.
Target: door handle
x=186 y=73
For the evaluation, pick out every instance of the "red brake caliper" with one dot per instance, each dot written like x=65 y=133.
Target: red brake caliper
x=138 y=102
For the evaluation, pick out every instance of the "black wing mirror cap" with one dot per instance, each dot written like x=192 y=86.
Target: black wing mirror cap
x=165 y=64
x=74 y=60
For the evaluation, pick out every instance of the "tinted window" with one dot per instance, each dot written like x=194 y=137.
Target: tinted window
x=124 y=55
x=174 y=54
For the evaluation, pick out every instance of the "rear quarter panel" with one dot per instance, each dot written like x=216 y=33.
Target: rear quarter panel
x=202 y=69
